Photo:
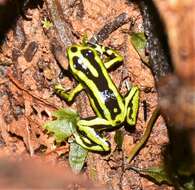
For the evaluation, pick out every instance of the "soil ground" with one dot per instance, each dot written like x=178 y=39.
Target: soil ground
x=28 y=72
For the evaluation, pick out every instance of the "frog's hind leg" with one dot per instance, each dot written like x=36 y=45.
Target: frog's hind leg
x=97 y=123
x=90 y=139
x=88 y=134
x=91 y=147
x=132 y=105
x=88 y=144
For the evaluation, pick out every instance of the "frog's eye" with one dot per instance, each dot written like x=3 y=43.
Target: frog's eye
x=74 y=49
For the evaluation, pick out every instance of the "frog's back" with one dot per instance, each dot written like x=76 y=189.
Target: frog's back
x=88 y=68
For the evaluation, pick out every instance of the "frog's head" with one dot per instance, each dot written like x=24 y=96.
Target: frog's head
x=80 y=51
x=73 y=51
x=82 y=59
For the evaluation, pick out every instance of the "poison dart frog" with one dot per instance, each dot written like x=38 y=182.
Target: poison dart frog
x=87 y=65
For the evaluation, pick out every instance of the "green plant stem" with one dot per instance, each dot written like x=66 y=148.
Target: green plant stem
x=146 y=135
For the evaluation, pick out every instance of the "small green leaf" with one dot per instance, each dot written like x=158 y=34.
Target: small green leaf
x=46 y=24
x=62 y=129
x=77 y=156
x=190 y=185
x=66 y=114
x=118 y=138
x=139 y=41
x=64 y=125
x=158 y=174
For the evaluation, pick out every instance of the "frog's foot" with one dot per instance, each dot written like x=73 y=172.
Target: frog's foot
x=132 y=105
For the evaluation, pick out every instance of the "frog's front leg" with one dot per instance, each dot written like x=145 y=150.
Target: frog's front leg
x=68 y=96
x=113 y=56
x=132 y=105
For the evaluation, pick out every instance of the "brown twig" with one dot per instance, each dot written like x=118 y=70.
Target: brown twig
x=110 y=27
x=18 y=85
x=62 y=25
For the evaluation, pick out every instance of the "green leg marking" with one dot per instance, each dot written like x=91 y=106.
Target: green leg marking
x=92 y=147
x=112 y=55
x=115 y=58
x=68 y=96
x=88 y=135
x=132 y=105
x=97 y=123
